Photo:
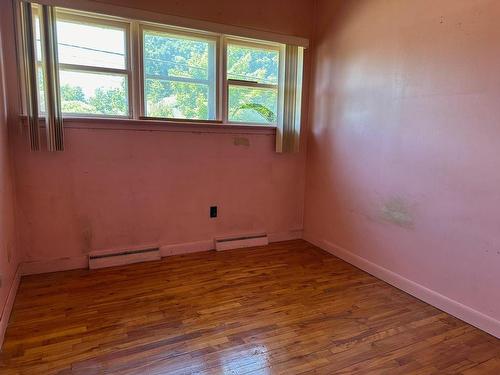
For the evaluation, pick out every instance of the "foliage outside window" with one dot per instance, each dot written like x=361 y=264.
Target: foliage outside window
x=179 y=76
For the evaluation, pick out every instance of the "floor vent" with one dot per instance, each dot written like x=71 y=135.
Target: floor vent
x=121 y=257
x=241 y=241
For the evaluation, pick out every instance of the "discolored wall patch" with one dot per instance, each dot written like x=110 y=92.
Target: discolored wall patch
x=241 y=141
x=399 y=212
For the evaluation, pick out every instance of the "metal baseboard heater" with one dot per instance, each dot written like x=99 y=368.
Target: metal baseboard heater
x=111 y=258
x=229 y=243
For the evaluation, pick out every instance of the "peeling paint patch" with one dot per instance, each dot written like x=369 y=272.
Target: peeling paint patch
x=398 y=212
x=241 y=141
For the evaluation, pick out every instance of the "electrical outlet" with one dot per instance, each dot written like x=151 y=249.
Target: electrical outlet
x=213 y=211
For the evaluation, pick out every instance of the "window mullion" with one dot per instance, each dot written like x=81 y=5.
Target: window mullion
x=212 y=74
x=251 y=84
x=177 y=79
x=135 y=61
x=224 y=104
x=92 y=69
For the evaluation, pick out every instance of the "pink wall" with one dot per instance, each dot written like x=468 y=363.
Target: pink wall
x=403 y=152
x=9 y=258
x=113 y=189
x=120 y=188
x=288 y=17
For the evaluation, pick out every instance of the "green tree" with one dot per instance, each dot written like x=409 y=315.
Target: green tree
x=169 y=60
x=72 y=93
x=110 y=101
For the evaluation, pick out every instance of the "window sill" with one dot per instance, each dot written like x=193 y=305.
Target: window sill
x=126 y=124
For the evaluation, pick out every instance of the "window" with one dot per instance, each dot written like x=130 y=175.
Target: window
x=252 y=80
x=93 y=66
x=116 y=67
x=179 y=76
x=93 y=62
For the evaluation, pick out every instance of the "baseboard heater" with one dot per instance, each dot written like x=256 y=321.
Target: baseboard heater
x=229 y=243
x=122 y=257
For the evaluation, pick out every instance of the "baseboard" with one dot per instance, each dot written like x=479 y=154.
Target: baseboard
x=455 y=308
x=285 y=236
x=54 y=265
x=240 y=242
x=122 y=257
x=207 y=245
x=187 y=248
x=9 y=304
x=81 y=262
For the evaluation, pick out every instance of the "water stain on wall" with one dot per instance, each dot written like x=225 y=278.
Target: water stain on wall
x=87 y=235
x=241 y=141
x=399 y=212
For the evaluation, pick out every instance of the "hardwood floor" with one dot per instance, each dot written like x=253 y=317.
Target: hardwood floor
x=287 y=308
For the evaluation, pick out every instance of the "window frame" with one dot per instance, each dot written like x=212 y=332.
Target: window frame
x=85 y=18
x=255 y=44
x=134 y=70
x=143 y=27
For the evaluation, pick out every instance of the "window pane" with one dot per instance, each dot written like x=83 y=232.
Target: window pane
x=252 y=64
x=176 y=99
x=41 y=90
x=91 y=45
x=94 y=93
x=38 y=43
x=38 y=53
x=179 y=76
x=256 y=105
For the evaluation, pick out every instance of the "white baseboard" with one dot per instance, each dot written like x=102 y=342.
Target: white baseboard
x=9 y=304
x=455 y=308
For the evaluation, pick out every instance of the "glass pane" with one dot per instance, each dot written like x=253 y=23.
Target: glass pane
x=170 y=99
x=256 y=105
x=41 y=90
x=38 y=42
x=179 y=75
x=38 y=53
x=252 y=64
x=94 y=93
x=171 y=56
x=91 y=45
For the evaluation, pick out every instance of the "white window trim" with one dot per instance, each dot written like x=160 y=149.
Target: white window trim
x=98 y=19
x=245 y=42
x=213 y=72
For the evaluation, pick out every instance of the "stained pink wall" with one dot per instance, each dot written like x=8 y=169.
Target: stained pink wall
x=114 y=188
x=121 y=188
x=9 y=258
x=403 y=161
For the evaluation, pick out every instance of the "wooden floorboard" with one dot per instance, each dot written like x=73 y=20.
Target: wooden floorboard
x=287 y=308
